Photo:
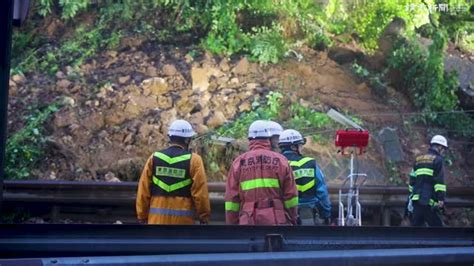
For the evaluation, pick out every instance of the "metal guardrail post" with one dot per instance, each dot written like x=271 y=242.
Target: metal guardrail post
x=6 y=13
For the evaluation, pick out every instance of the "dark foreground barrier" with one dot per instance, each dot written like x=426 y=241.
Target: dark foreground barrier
x=54 y=244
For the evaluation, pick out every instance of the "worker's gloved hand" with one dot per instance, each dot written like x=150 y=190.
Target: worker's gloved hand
x=142 y=221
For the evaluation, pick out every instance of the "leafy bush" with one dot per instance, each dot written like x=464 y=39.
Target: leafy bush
x=306 y=120
x=69 y=7
x=24 y=148
x=370 y=18
x=267 y=44
x=429 y=86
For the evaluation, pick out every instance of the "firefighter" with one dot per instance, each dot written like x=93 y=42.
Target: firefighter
x=313 y=193
x=173 y=185
x=260 y=187
x=427 y=185
x=275 y=131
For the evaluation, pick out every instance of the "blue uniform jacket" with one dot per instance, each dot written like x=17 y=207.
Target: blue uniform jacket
x=321 y=198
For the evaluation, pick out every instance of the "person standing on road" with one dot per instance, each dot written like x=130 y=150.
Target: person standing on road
x=260 y=188
x=173 y=184
x=427 y=185
x=313 y=192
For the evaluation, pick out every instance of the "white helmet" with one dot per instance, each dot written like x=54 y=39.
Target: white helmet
x=259 y=129
x=274 y=128
x=291 y=136
x=440 y=140
x=181 y=128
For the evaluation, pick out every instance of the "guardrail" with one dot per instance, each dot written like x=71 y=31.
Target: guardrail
x=116 y=201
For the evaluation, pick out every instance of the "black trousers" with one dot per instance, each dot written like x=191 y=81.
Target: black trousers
x=425 y=213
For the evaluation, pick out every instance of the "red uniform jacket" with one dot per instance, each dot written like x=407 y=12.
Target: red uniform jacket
x=261 y=188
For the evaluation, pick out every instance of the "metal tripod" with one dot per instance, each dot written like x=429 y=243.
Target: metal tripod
x=351 y=219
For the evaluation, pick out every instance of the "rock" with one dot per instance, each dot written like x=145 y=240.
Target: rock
x=110 y=177
x=64 y=118
x=465 y=71
x=234 y=80
x=391 y=144
x=164 y=102
x=19 y=79
x=128 y=140
x=251 y=86
x=224 y=65
x=188 y=58
x=216 y=120
x=145 y=130
x=392 y=32
x=128 y=169
x=201 y=128
x=93 y=121
x=155 y=86
x=152 y=71
x=200 y=79
x=124 y=79
x=344 y=55
x=112 y=53
x=103 y=134
x=60 y=75
x=196 y=119
x=133 y=109
x=166 y=118
x=242 y=67
x=185 y=105
x=113 y=118
x=68 y=101
x=169 y=70
x=206 y=111
x=63 y=84
x=245 y=107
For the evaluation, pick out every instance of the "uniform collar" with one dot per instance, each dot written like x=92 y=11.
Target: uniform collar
x=260 y=144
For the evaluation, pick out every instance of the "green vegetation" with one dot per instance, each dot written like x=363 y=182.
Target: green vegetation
x=431 y=88
x=24 y=149
x=304 y=119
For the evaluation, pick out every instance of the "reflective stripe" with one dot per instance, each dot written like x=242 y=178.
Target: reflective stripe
x=172 y=160
x=304 y=172
x=169 y=188
x=232 y=206
x=415 y=197
x=171 y=172
x=440 y=187
x=300 y=162
x=410 y=188
x=424 y=171
x=160 y=211
x=291 y=202
x=432 y=202
x=412 y=174
x=309 y=185
x=259 y=183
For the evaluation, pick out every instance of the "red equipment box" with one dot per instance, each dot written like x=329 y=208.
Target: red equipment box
x=352 y=138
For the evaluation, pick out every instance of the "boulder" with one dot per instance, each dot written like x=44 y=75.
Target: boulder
x=242 y=67
x=391 y=144
x=216 y=120
x=344 y=55
x=124 y=79
x=169 y=70
x=465 y=72
x=164 y=102
x=155 y=86
x=63 y=84
x=64 y=118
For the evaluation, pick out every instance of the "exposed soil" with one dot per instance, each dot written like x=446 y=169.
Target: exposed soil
x=117 y=108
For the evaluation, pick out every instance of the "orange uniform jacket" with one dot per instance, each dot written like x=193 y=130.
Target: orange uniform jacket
x=261 y=188
x=178 y=207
